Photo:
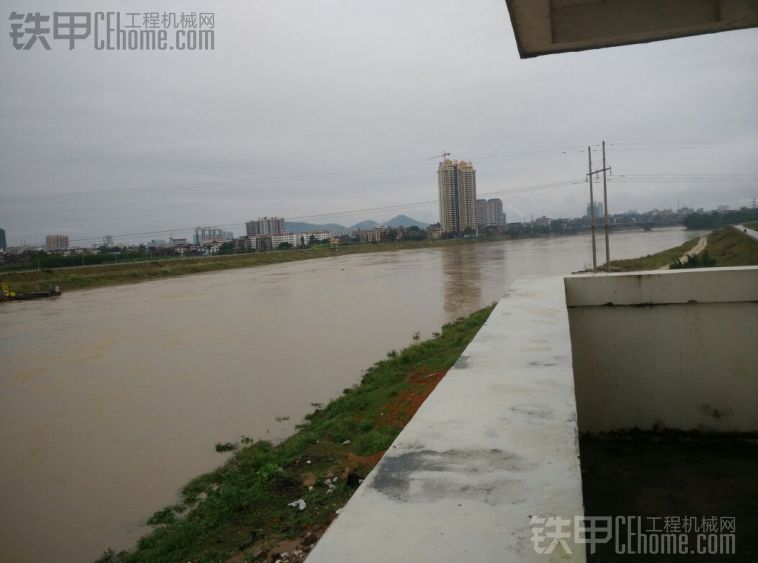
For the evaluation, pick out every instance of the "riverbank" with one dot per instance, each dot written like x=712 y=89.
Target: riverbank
x=89 y=277
x=270 y=499
x=727 y=246
x=653 y=261
x=732 y=247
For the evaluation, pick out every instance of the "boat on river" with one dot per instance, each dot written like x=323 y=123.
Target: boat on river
x=7 y=294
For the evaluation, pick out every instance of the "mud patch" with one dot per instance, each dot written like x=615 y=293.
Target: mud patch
x=538 y=363
x=491 y=476
x=534 y=410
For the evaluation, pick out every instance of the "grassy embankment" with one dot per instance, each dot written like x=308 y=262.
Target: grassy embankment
x=727 y=246
x=730 y=247
x=98 y=276
x=653 y=261
x=239 y=512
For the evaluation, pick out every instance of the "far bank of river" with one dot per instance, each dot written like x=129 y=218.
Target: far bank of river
x=109 y=274
x=126 y=272
x=113 y=398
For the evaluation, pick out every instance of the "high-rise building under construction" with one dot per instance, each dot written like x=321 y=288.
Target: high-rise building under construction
x=456 y=180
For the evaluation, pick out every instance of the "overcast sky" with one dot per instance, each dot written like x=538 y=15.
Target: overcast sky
x=315 y=107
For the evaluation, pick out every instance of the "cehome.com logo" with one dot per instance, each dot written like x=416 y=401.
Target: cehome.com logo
x=114 y=31
x=636 y=535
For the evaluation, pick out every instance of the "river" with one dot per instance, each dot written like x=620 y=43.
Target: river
x=112 y=398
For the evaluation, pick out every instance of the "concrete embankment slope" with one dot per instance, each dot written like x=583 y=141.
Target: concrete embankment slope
x=492 y=446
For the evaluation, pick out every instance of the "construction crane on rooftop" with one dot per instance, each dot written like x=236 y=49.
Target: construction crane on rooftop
x=443 y=156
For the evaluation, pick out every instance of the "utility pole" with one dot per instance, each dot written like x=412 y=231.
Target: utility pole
x=605 y=210
x=604 y=169
x=592 y=212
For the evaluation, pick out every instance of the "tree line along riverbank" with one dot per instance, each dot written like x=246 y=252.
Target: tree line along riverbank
x=88 y=277
x=268 y=499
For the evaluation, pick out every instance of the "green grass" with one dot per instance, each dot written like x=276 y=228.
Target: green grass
x=730 y=247
x=752 y=225
x=240 y=509
x=90 y=277
x=653 y=261
x=727 y=246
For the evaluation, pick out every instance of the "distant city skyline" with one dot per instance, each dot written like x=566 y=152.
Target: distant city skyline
x=285 y=119
x=241 y=226
x=492 y=207
x=427 y=216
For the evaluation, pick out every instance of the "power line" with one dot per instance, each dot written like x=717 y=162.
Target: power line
x=627 y=178
x=680 y=180
x=416 y=164
x=711 y=175
x=260 y=182
x=686 y=144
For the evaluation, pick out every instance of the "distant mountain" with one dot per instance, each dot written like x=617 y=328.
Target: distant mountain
x=395 y=222
x=405 y=221
x=294 y=227
x=364 y=225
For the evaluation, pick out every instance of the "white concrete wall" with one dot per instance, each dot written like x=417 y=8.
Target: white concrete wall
x=666 y=349
x=494 y=444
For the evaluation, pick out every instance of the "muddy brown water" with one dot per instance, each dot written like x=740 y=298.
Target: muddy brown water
x=111 y=399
